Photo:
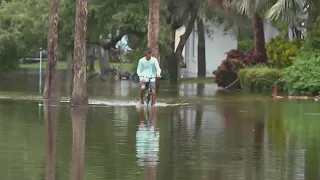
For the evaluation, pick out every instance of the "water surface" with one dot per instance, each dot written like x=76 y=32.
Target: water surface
x=195 y=133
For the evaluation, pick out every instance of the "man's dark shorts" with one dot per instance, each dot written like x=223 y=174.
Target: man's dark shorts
x=152 y=85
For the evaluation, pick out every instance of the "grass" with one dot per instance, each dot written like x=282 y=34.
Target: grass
x=63 y=65
x=125 y=67
x=200 y=80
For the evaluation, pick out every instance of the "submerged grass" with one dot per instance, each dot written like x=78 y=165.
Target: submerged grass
x=200 y=80
x=63 y=65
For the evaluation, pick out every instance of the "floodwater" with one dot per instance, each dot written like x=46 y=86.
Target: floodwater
x=194 y=133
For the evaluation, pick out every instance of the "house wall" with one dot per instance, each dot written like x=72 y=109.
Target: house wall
x=218 y=42
x=269 y=31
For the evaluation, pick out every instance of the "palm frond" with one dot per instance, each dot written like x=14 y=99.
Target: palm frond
x=286 y=10
x=242 y=6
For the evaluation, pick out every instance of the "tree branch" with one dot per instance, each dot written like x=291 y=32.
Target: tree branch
x=113 y=41
x=175 y=21
x=189 y=28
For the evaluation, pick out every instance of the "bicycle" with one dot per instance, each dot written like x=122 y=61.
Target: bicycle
x=148 y=93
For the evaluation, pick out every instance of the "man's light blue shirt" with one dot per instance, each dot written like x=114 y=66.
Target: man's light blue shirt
x=148 y=68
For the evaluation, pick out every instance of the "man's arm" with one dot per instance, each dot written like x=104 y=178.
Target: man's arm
x=157 y=66
x=139 y=70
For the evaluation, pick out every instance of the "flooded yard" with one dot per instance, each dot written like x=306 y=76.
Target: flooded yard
x=194 y=133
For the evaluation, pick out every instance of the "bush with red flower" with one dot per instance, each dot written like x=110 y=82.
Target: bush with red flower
x=227 y=72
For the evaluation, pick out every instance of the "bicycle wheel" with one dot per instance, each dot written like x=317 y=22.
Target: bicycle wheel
x=148 y=96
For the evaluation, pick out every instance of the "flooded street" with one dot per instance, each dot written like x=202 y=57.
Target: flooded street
x=194 y=133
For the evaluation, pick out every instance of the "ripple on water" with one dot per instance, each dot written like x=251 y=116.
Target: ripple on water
x=128 y=103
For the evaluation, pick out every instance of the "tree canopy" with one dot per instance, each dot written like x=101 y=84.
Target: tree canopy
x=24 y=25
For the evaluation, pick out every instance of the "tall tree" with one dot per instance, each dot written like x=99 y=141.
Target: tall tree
x=23 y=29
x=201 y=48
x=52 y=87
x=179 y=16
x=153 y=31
x=79 y=93
x=154 y=27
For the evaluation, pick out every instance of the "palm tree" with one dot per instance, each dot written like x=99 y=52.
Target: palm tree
x=79 y=93
x=291 y=10
x=154 y=27
x=52 y=89
x=153 y=31
x=253 y=9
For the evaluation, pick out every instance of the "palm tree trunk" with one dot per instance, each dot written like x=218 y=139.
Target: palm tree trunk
x=52 y=86
x=154 y=27
x=201 y=49
x=153 y=31
x=259 y=41
x=79 y=94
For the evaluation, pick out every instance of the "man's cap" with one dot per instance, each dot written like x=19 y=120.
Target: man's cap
x=149 y=50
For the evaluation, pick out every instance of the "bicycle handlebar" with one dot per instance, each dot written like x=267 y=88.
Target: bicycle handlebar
x=149 y=77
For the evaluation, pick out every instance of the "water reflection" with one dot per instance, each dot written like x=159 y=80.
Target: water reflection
x=51 y=117
x=221 y=141
x=147 y=141
x=79 y=118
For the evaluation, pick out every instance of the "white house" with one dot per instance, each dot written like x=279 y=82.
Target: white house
x=218 y=42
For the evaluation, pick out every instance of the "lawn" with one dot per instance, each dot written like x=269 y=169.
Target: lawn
x=63 y=65
x=125 y=67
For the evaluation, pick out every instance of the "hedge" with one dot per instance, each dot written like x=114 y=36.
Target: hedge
x=259 y=79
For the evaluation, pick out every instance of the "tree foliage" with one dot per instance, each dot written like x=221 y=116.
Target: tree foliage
x=302 y=78
x=281 y=52
x=21 y=30
x=24 y=25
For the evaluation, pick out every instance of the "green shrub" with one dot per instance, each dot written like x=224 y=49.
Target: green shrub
x=281 y=51
x=245 y=45
x=303 y=77
x=258 y=78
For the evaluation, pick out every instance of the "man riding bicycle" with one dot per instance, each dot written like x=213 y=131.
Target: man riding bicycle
x=148 y=67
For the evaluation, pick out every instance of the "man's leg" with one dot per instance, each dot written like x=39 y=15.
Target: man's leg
x=142 y=91
x=154 y=94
